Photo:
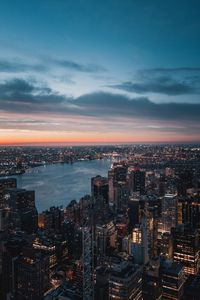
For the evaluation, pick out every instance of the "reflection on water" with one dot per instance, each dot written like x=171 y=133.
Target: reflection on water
x=59 y=184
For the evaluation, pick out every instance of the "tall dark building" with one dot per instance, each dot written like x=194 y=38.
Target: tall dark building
x=173 y=278
x=137 y=181
x=151 y=283
x=6 y=183
x=189 y=211
x=21 y=198
x=22 y=204
x=99 y=187
x=134 y=211
x=116 y=175
x=125 y=282
x=185 y=181
x=192 y=288
x=29 y=277
x=185 y=241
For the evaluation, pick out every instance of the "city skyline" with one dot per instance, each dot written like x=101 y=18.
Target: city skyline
x=88 y=72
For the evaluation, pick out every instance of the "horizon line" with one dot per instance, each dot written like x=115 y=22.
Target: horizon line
x=62 y=144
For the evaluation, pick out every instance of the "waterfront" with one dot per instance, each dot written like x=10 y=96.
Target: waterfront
x=58 y=184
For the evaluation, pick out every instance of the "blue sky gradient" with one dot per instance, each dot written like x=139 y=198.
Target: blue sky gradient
x=72 y=62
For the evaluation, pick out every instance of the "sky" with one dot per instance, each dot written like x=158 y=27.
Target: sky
x=109 y=71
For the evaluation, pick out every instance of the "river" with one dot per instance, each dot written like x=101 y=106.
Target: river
x=58 y=184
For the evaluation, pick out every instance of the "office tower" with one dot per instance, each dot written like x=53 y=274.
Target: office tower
x=192 y=288
x=173 y=278
x=151 y=283
x=185 y=241
x=87 y=261
x=169 y=212
x=165 y=245
x=29 y=276
x=102 y=283
x=22 y=204
x=4 y=219
x=189 y=211
x=152 y=227
x=139 y=244
x=137 y=181
x=120 y=196
x=133 y=211
x=5 y=184
x=20 y=199
x=125 y=281
x=99 y=188
x=11 y=247
x=106 y=238
x=185 y=181
x=162 y=185
x=117 y=175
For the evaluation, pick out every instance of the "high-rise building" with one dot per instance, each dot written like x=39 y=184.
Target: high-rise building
x=20 y=199
x=151 y=283
x=6 y=183
x=133 y=211
x=189 y=211
x=139 y=244
x=185 y=241
x=185 y=180
x=4 y=218
x=172 y=274
x=117 y=176
x=152 y=227
x=125 y=281
x=192 y=288
x=169 y=212
x=24 y=212
x=99 y=187
x=165 y=245
x=29 y=277
x=137 y=181
x=106 y=238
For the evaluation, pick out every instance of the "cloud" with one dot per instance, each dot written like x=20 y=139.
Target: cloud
x=161 y=85
x=26 y=92
x=169 y=70
x=75 y=66
x=17 y=66
x=167 y=81
x=25 y=97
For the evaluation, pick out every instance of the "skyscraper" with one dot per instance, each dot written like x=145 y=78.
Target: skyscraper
x=186 y=248
x=137 y=181
x=99 y=187
x=29 y=277
x=169 y=212
x=172 y=280
x=125 y=281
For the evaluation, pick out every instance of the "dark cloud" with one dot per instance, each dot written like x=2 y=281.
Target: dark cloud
x=169 y=70
x=14 y=66
x=168 y=81
x=26 y=97
x=162 y=85
x=75 y=66
x=27 y=92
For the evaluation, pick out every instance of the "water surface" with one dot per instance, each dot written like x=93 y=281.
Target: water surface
x=58 y=184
